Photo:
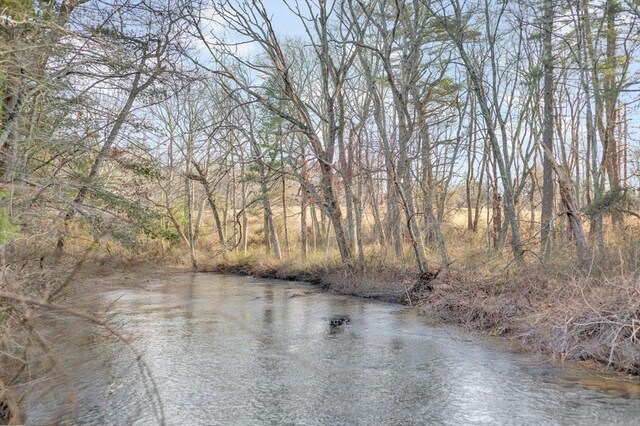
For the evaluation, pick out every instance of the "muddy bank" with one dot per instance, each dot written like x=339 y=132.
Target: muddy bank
x=581 y=319
x=384 y=285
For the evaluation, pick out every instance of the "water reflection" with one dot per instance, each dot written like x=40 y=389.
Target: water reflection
x=228 y=350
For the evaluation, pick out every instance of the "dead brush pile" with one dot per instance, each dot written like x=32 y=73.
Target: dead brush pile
x=575 y=318
x=596 y=320
x=496 y=304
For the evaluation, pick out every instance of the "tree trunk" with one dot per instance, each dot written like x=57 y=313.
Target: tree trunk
x=203 y=179
x=137 y=88
x=547 y=168
x=303 y=223
x=612 y=156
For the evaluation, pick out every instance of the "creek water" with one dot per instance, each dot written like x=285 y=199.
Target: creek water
x=226 y=350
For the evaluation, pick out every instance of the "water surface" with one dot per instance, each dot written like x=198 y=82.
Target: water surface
x=230 y=350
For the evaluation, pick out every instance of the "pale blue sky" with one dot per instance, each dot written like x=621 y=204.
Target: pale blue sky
x=285 y=22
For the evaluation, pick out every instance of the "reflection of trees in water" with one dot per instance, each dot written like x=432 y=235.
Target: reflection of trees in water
x=271 y=359
x=271 y=365
x=187 y=311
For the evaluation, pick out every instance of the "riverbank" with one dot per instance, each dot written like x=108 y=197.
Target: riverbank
x=269 y=351
x=568 y=317
x=389 y=284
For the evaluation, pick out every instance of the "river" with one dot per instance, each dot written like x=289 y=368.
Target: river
x=226 y=350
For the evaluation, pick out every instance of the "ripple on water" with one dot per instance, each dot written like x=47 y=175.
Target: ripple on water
x=228 y=350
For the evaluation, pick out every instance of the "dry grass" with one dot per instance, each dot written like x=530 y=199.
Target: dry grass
x=384 y=280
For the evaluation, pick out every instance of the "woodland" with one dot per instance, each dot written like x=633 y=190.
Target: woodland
x=478 y=159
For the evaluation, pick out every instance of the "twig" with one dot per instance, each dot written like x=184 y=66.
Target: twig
x=144 y=368
x=408 y=297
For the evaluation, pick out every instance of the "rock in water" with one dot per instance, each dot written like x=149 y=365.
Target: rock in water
x=339 y=320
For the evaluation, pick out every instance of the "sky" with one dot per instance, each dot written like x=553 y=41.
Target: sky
x=285 y=23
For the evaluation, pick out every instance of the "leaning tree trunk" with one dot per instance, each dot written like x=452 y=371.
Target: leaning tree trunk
x=203 y=179
x=570 y=203
x=335 y=215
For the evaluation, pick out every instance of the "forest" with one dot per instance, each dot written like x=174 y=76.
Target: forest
x=479 y=159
